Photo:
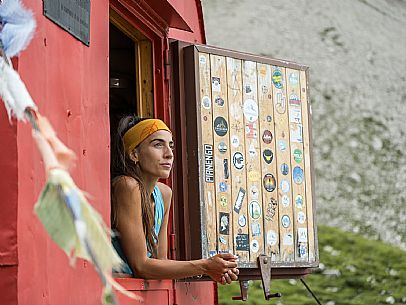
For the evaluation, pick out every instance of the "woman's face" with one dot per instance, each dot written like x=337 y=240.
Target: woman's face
x=155 y=156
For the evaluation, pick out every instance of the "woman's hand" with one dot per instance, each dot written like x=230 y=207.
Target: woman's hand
x=222 y=268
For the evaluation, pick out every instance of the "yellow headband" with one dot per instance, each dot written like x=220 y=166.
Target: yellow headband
x=142 y=130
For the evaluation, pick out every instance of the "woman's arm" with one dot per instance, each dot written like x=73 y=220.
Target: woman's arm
x=163 y=233
x=129 y=225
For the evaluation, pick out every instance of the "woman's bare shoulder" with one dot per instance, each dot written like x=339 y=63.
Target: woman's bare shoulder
x=165 y=190
x=125 y=184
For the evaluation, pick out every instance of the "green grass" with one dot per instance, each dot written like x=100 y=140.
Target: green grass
x=367 y=273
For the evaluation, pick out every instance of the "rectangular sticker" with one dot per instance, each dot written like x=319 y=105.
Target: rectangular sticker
x=224 y=223
x=208 y=163
x=302 y=235
x=239 y=200
x=242 y=242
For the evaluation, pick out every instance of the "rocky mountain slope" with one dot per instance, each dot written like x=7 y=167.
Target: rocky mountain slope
x=356 y=50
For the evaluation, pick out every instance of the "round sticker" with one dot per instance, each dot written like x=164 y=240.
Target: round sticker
x=202 y=59
x=238 y=160
x=285 y=200
x=219 y=102
x=285 y=187
x=223 y=201
x=271 y=238
x=268 y=155
x=267 y=137
x=277 y=79
x=293 y=78
x=269 y=118
x=299 y=201
x=235 y=141
x=269 y=182
x=222 y=147
x=220 y=126
x=206 y=102
x=298 y=175
x=251 y=110
x=282 y=145
x=254 y=246
x=301 y=217
x=242 y=221
x=248 y=88
x=284 y=169
x=254 y=192
x=223 y=187
x=285 y=221
x=254 y=209
x=298 y=155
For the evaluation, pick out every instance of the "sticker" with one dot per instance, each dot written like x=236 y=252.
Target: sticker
x=253 y=176
x=205 y=118
x=254 y=209
x=294 y=100
x=215 y=84
x=242 y=221
x=238 y=160
x=285 y=201
x=271 y=209
x=301 y=217
x=268 y=156
x=202 y=59
x=269 y=118
x=219 y=102
x=298 y=155
x=212 y=253
x=271 y=238
x=223 y=187
x=269 y=182
x=282 y=145
x=267 y=137
x=222 y=147
x=302 y=235
x=302 y=250
x=284 y=169
x=242 y=242
x=220 y=126
x=298 y=175
x=277 y=79
x=293 y=78
x=206 y=102
x=252 y=151
x=299 y=201
x=239 y=200
x=296 y=133
x=248 y=88
x=288 y=239
x=250 y=110
x=235 y=141
x=295 y=115
x=285 y=221
x=208 y=163
x=264 y=89
x=255 y=229
x=280 y=103
x=254 y=192
x=224 y=223
x=223 y=201
x=223 y=240
x=251 y=130
x=226 y=171
x=285 y=187
x=254 y=246
x=235 y=111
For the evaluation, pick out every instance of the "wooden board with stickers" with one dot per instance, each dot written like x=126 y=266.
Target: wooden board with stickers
x=248 y=124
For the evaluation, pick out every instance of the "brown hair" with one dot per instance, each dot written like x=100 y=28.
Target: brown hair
x=122 y=165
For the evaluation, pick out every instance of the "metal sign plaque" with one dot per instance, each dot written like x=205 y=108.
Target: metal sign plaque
x=72 y=15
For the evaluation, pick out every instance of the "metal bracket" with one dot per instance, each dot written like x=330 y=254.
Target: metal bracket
x=244 y=291
x=264 y=263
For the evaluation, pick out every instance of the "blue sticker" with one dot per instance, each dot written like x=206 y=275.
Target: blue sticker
x=284 y=169
x=223 y=187
x=285 y=221
x=277 y=79
x=282 y=145
x=299 y=201
x=298 y=175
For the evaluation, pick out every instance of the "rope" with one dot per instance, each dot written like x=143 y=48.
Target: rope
x=311 y=292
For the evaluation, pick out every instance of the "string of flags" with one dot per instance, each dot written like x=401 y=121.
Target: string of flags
x=63 y=209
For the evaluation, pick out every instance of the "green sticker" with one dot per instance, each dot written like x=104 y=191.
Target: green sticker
x=298 y=155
